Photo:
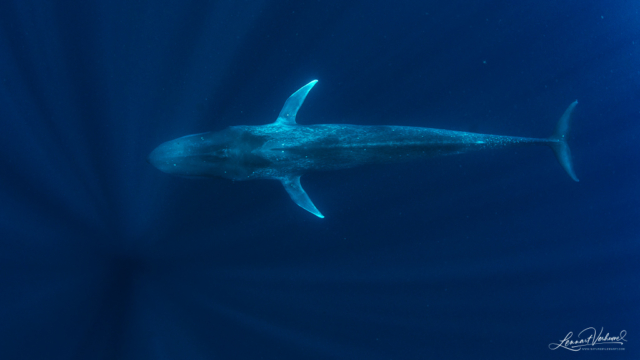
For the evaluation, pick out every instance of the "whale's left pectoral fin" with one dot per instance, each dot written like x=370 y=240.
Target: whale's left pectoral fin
x=298 y=195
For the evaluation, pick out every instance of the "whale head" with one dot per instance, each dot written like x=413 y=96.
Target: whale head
x=223 y=154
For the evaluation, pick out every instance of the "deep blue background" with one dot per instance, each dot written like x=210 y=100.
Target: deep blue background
x=488 y=255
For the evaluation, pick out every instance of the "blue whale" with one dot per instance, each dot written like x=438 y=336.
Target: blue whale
x=285 y=150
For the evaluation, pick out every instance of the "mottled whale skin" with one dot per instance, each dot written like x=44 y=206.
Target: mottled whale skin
x=285 y=150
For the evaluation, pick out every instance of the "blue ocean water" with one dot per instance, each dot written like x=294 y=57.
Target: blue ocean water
x=490 y=255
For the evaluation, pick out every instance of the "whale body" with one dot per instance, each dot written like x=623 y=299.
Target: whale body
x=285 y=150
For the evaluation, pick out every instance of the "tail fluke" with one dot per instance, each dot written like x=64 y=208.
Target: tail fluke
x=559 y=143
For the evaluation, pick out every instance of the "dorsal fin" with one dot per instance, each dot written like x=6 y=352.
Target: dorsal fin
x=290 y=109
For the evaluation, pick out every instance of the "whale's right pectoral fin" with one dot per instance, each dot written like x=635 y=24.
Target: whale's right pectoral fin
x=298 y=195
x=292 y=105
